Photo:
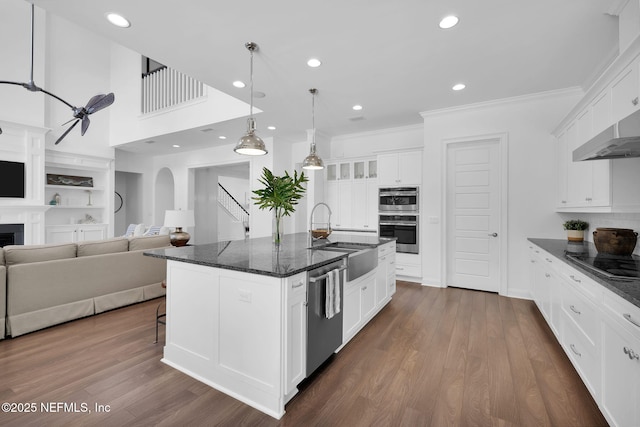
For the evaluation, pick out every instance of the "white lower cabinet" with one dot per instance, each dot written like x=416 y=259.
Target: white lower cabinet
x=408 y=265
x=352 y=311
x=296 y=333
x=75 y=233
x=620 y=361
x=598 y=330
x=359 y=304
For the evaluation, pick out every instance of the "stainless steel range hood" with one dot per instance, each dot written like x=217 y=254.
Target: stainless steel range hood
x=619 y=141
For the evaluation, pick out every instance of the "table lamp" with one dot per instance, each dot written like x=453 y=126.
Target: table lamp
x=178 y=219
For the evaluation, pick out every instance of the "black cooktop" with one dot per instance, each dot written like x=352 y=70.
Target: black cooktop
x=612 y=266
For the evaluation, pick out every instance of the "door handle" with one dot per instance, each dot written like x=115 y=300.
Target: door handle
x=492 y=234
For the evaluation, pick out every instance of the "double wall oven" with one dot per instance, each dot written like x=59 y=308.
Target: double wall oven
x=398 y=217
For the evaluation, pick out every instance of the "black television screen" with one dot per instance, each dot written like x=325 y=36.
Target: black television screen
x=11 y=179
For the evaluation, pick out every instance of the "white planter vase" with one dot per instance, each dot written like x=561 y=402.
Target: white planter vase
x=575 y=235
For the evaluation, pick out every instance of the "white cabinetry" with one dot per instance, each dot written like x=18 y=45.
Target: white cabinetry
x=75 y=233
x=600 y=185
x=296 y=332
x=351 y=192
x=359 y=304
x=403 y=168
x=386 y=273
x=598 y=330
x=408 y=265
x=624 y=92
x=367 y=295
x=83 y=212
x=620 y=361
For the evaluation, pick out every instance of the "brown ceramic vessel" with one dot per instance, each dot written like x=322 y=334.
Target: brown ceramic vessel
x=615 y=241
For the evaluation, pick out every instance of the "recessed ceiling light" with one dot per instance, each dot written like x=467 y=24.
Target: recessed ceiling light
x=357 y=107
x=222 y=137
x=118 y=20
x=239 y=84
x=175 y=146
x=448 y=22
x=271 y=127
x=314 y=62
x=459 y=86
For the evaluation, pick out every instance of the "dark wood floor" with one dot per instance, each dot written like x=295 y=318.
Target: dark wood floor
x=432 y=357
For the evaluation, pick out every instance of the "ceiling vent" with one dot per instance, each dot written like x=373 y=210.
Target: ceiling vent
x=356 y=119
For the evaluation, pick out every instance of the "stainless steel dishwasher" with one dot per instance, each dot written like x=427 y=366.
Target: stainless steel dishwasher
x=324 y=335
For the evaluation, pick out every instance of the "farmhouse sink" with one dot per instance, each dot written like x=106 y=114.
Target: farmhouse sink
x=362 y=258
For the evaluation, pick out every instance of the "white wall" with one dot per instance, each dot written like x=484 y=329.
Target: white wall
x=228 y=228
x=78 y=68
x=129 y=186
x=18 y=104
x=368 y=143
x=183 y=165
x=528 y=122
x=69 y=62
x=129 y=125
x=595 y=220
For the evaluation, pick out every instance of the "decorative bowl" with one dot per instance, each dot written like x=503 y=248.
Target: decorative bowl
x=320 y=233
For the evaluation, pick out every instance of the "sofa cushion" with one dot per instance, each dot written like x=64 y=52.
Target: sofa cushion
x=148 y=242
x=101 y=247
x=23 y=254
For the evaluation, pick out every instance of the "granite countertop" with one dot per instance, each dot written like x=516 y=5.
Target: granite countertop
x=627 y=289
x=261 y=256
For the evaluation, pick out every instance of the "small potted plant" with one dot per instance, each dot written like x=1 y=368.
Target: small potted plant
x=575 y=229
x=280 y=194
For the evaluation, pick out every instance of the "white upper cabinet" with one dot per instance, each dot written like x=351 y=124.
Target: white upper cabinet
x=395 y=169
x=351 y=192
x=600 y=185
x=624 y=92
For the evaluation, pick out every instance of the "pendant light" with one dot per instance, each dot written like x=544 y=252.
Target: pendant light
x=250 y=144
x=313 y=161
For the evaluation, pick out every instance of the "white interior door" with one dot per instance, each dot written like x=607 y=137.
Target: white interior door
x=473 y=215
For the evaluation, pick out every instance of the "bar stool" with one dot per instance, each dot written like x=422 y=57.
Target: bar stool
x=160 y=318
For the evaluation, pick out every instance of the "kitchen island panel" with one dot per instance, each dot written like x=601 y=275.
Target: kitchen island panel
x=225 y=329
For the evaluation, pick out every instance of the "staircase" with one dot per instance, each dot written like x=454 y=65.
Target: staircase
x=233 y=207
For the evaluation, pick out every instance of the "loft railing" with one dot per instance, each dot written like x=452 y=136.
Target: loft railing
x=232 y=206
x=166 y=87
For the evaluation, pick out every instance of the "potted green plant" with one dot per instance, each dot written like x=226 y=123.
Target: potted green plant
x=280 y=195
x=575 y=229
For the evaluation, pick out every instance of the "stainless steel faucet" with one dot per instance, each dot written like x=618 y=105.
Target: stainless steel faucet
x=311 y=221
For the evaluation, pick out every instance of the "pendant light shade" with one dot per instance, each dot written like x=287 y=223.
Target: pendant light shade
x=313 y=161
x=250 y=144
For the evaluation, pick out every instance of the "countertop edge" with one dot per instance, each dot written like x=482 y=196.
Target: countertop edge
x=248 y=269
x=301 y=264
x=609 y=284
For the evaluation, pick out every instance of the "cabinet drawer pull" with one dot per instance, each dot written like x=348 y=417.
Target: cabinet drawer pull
x=364 y=288
x=300 y=284
x=573 y=348
x=574 y=279
x=574 y=309
x=632 y=354
x=547 y=275
x=634 y=101
x=548 y=260
x=399 y=268
x=633 y=322
x=533 y=261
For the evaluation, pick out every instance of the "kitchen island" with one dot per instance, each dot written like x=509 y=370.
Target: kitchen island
x=237 y=311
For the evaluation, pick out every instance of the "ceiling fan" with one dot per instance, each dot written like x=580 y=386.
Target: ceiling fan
x=95 y=104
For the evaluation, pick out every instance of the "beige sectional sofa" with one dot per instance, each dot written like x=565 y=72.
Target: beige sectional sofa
x=51 y=284
x=3 y=294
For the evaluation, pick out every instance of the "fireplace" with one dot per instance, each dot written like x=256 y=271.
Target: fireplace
x=11 y=234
